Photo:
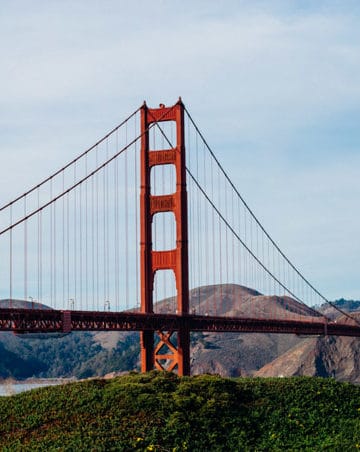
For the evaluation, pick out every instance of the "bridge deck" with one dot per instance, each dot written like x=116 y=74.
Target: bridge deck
x=56 y=321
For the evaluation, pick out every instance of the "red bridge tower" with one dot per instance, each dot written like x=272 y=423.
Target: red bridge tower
x=166 y=355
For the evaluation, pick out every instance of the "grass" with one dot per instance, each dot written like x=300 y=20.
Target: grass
x=162 y=412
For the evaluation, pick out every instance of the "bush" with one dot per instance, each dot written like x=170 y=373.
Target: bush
x=162 y=412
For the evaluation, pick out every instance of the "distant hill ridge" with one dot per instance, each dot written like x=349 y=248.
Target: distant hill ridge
x=22 y=304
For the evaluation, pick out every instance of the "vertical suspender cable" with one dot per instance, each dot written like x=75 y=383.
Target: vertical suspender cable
x=116 y=228
x=107 y=214
x=68 y=248
x=11 y=259
x=86 y=238
x=93 y=241
x=136 y=204
x=75 y=241
x=226 y=201
x=51 y=248
x=191 y=220
x=220 y=244
x=38 y=249
x=25 y=252
x=63 y=239
x=97 y=251
x=106 y=233
x=257 y=273
x=41 y=255
x=233 y=248
x=198 y=216
x=239 y=269
x=252 y=249
x=81 y=254
x=245 y=252
x=126 y=222
x=269 y=260
x=206 y=221
x=263 y=260
x=55 y=258
x=213 y=222
x=104 y=215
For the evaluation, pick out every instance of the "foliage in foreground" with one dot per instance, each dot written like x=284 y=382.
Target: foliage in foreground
x=160 y=411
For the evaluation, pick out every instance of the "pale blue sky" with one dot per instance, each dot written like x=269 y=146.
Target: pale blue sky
x=274 y=86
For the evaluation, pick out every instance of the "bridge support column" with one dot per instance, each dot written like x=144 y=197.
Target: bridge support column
x=147 y=350
x=167 y=354
x=183 y=351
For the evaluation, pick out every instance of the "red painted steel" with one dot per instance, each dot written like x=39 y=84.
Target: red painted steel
x=166 y=355
x=54 y=321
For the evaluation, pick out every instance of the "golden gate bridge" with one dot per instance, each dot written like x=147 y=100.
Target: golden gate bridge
x=131 y=233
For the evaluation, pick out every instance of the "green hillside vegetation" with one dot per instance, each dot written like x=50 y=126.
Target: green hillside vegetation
x=162 y=412
x=348 y=305
x=74 y=355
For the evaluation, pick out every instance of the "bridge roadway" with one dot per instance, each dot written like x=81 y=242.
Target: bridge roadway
x=23 y=321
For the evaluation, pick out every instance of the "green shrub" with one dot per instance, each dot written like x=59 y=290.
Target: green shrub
x=162 y=412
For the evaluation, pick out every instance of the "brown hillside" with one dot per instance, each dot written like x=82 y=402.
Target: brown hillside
x=337 y=357
x=232 y=300
x=232 y=354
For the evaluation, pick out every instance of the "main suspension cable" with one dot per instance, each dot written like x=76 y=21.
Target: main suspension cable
x=261 y=226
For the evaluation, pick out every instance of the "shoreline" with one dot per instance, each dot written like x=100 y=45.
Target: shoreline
x=34 y=381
